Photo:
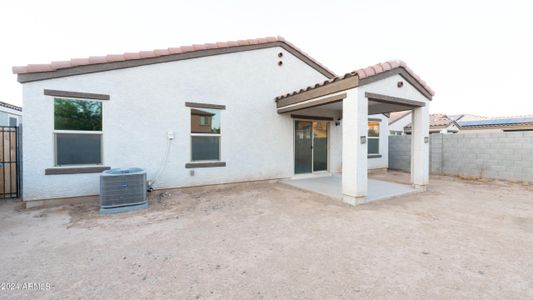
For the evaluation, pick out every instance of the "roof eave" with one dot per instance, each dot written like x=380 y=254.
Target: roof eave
x=403 y=116
x=109 y=66
x=400 y=70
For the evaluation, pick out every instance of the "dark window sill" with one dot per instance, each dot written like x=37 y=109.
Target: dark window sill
x=75 y=170
x=205 y=165
x=374 y=155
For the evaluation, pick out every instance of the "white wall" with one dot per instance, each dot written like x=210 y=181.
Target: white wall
x=389 y=87
x=148 y=101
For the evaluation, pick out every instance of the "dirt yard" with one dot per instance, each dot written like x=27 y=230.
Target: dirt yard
x=461 y=239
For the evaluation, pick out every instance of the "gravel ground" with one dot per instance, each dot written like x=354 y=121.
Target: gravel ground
x=460 y=239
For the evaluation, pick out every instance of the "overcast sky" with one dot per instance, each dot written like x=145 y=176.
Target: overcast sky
x=476 y=55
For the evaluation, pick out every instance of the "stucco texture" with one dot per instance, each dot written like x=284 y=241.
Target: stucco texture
x=148 y=101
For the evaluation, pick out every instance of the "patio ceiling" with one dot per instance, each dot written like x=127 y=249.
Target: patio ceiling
x=377 y=104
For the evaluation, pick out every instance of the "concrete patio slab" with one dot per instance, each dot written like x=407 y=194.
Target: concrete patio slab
x=331 y=186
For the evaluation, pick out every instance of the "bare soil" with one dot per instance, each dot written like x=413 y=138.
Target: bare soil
x=460 y=239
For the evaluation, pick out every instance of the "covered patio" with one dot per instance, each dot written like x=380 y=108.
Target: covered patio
x=347 y=102
x=331 y=186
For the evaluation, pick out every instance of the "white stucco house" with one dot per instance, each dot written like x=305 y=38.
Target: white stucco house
x=211 y=114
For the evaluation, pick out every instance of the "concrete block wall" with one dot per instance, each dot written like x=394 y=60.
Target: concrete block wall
x=400 y=152
x=436 y=144
x=507 y=155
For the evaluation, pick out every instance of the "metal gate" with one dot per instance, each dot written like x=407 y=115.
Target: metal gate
x=9 y=162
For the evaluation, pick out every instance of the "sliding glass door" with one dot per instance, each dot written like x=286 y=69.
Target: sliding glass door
x=303 y=147
x=320 y=146
x=310 y=146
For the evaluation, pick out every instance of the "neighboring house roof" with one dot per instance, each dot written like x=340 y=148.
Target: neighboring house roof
x=436 y=121
x=455 y=117
x=502 y=122
x=370 y=72
x=10 y=106
x=466 y=117
x=77 y=66
x=396 y=116
x=199 y=112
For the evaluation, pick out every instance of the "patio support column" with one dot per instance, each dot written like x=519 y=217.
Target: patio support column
x=420 y=147
x=354 y=147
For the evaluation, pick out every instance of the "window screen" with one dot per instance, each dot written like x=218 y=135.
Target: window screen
x=78 y=149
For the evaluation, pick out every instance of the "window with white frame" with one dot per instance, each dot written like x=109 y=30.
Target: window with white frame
x=77 y=132
x=205 y=134
x=373 y=137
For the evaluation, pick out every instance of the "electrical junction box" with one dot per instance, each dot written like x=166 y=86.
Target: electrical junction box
x=170 y=135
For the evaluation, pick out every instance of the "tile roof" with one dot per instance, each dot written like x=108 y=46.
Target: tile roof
x=93 y=60
x=10 y=106
x=364 y=73
x=498 y=122
x=467 y=117
x=200 y=112
x=455 y=117
x=436 y=121
x=395 y=116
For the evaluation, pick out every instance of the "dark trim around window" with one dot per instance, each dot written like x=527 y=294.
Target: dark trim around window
x=205 y=165
x=204 y=105
x=320 y=118
x=75 y=170
x=79 y=95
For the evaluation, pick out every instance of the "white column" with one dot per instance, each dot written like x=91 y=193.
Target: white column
x=354 y=153
x=420 y=147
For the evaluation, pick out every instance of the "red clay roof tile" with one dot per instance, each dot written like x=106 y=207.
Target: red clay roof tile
x=436 y=120
x=78 y=62
x=39 y=68
x=61 y=64
x=146 y=54
x=20 y=70
x=156 y=53
x=174 y=50
x=97 y=59
x=115 y=57
x=370 y=71
x=131 y=55
x=161 y=52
